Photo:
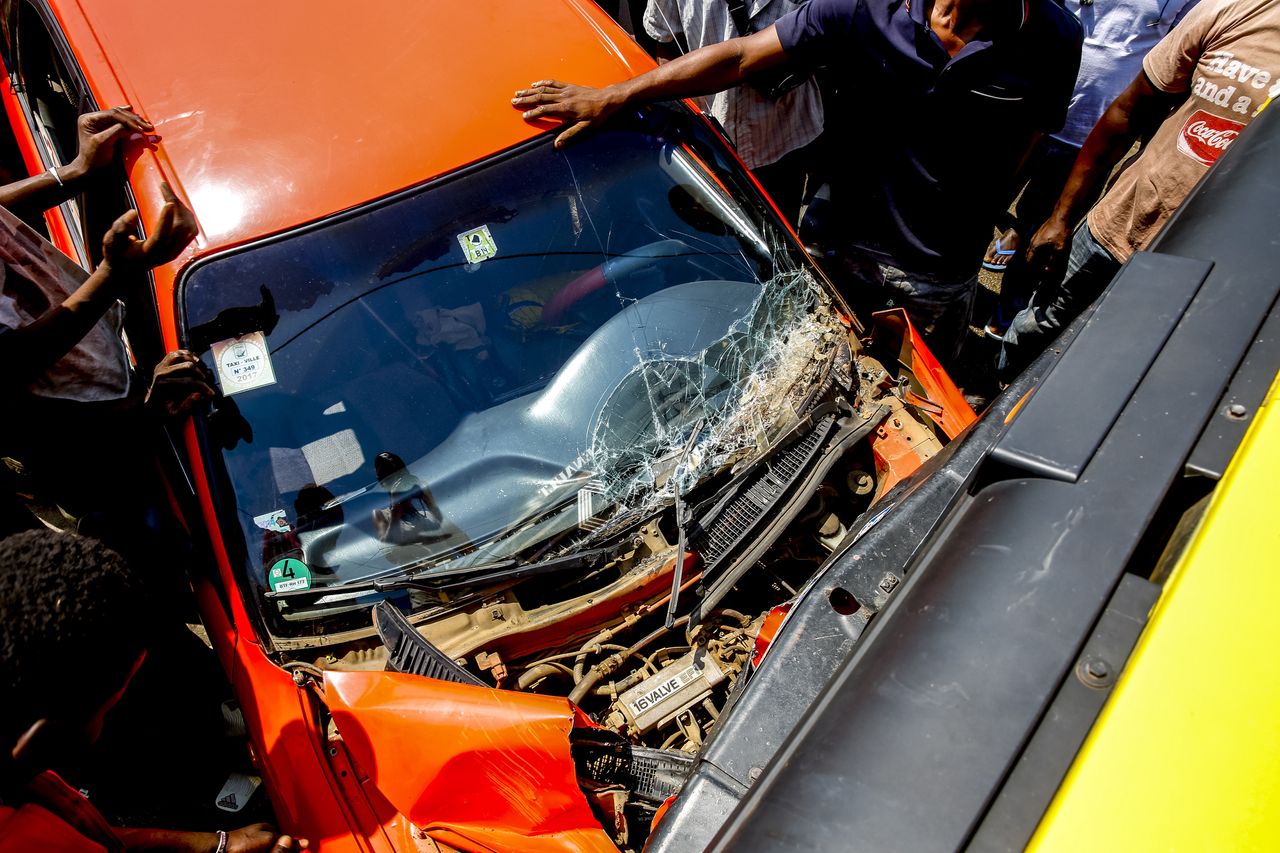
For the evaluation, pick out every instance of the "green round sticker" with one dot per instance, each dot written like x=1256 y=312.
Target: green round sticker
x=288 y=574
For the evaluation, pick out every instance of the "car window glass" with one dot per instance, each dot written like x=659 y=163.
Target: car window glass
x=437 y=378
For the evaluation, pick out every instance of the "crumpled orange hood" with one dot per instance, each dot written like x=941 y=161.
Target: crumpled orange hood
x=478 y=769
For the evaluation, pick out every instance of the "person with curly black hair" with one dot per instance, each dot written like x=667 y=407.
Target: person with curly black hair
x=74 y=626
x=63 y=600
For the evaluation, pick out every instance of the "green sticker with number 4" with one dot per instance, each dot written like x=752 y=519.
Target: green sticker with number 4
x=288 y=574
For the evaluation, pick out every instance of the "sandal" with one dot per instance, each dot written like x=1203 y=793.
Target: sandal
x=1002 y=252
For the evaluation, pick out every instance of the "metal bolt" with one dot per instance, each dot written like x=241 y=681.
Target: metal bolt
x=1237 y=411
x=754 y=773
x=1095 y=673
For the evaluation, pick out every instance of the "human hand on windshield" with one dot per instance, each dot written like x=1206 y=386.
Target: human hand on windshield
x=262 y=838
x=1047 y=251
x=180 y=381
x=174 y=229
x=98 y=133
x=579 y=107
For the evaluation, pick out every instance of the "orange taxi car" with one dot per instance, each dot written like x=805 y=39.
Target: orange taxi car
x=520 y=455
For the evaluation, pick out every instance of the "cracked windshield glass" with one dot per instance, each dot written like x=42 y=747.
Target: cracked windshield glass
x=507 y=364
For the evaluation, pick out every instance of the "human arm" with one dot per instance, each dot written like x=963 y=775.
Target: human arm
x=98 y=133
x=705 y=71
x=32 y=349
x=1139 y=108
x=258 y=838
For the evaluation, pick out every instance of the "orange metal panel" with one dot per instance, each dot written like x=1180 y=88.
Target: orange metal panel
x=275 y=114
x=476 y=768
x=894 y=331
x=308 y=799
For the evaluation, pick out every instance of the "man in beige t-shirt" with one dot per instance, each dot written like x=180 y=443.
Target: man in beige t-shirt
x=1200 y=86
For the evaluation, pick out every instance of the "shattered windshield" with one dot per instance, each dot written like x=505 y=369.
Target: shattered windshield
x=547 y=344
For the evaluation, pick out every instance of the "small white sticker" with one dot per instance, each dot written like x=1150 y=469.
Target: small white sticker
x=243 y=363
x=273 y=521
x=477 y=245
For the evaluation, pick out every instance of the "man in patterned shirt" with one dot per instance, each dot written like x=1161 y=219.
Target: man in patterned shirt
x=774 y=136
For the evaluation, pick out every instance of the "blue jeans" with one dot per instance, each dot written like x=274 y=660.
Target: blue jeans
x=1090 y=269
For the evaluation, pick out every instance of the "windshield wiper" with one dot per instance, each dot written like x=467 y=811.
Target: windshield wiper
x=501 y=571
x=682 y=521
x=486 y=574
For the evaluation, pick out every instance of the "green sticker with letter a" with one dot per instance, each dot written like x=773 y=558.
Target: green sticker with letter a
x=288 y=574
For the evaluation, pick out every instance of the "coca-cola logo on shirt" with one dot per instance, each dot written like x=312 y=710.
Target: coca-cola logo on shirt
x=1205 y=136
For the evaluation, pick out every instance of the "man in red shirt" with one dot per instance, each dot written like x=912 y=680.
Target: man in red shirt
x=73 y=630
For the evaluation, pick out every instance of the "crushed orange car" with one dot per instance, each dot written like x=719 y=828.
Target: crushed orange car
x=516 y=447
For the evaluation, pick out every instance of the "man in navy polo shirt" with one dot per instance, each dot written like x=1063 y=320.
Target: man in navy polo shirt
x=938 y=101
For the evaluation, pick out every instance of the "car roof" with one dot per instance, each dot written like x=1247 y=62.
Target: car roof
x=276 y=114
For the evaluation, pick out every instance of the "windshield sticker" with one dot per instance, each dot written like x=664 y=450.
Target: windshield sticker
x=243 y=363
x=478 y=245
x=275 y=522
x=288 y=575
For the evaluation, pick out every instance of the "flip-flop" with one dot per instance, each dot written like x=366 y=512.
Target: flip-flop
x=1003 y=252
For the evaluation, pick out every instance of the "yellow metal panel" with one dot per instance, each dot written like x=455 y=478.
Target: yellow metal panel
x=1186 y=753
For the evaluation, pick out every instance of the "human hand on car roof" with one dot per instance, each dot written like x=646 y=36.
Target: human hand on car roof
x=707 y=70
x=174 y=229
x=97 y=135
x=580 y=107
x=179 y=382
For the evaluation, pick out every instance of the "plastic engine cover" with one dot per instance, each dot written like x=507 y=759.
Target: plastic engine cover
x=660 y=698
